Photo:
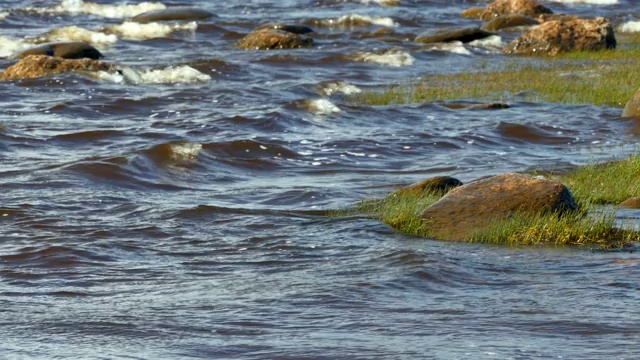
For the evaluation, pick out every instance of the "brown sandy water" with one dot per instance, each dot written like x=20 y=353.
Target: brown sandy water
x=182 y=213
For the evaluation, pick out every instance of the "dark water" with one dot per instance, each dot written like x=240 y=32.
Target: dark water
x=181 y=213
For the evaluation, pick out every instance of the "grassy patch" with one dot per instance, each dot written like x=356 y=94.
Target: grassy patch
x=602 y=78
x=607 y=183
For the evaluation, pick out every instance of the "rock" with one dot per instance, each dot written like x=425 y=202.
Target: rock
x=66 y=50
x=172 y=14
x=508 y=21
x=464 y=35
x=467 y=210
x=522 y=7
x=557 y=37
x=438 y=184
x=555 y=17
x=489 y=106
x=269 y=39
x=632 y=108
x=633 y=203
x=473 y=13
x=41 y=65
x=294 y=29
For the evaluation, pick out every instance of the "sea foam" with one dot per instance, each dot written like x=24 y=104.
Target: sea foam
x=10 y=47
x=354 y=20
x=630 y=26
x=170 y=75
x=342 y=87
x=108 y=11
x=136 y=31
x=393 y=58
x=322 y=107
x=74 y=33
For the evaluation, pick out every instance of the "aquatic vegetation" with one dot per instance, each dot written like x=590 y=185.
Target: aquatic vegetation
x=601 y=78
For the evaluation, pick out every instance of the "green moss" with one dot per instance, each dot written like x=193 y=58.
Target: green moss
x=602 y=78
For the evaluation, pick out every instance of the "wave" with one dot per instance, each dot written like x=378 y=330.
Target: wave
x=75 y=33
x=592 y=2
x=342 y=87
x=381 y=2
x=630 y=26
x=395 y=58
x=171 y=75
x=320 y=106
x=108 y=11
x=10 y=47
x=137 y=31
x=355 y=20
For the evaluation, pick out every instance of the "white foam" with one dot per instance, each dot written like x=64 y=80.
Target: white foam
x=136 y=31
x=331 y=88
x=594 y=2
x=381 y=2
x=393 y=58
x=74 y=33
x=3 y=14
x=109 y=11
x=171 y=75
x=10 y=47
x=353 y=20
x=493 y=42
x=630 y=26
x=322 y=107
x=185 y=151
x=455 y=47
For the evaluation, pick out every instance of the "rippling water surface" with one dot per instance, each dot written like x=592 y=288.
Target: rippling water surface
x=180 y=211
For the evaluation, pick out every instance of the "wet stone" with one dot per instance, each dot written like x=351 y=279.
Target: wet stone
x=173 y=14
x=632 y=107
x=509 y=21
x=522 y=7
x=41 y=65
x=66 y=50
x=464 y=35
x=271 y=39
x=469 y=209
x=437 y=184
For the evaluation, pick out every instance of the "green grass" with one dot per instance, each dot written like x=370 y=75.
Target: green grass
x=606 y=183
x=608 y=77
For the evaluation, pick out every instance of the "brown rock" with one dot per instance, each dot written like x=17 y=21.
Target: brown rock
x=633 y=203
x=557 y=37
x=473 y=13
x=632 y=108
x=269 y=39
x=466 y=210
x=464 y=35
x=523 y=7
x=555 y=17
x=437 y=184
x=66 y=50
x=508 y=21
x=172 y=14
x=41 y=65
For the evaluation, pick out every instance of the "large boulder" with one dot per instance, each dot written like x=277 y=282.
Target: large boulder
x=464 y=35
x=41 y=65
x=469 y=209
x=632 y=108
x=66 y=50
x=172 y=14
x=557 y=37
x=270 y=39
x=522 y=7
x=509 y=21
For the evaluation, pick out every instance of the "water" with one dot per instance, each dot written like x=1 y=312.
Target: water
x=179 y=210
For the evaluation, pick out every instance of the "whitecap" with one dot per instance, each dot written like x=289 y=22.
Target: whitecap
x=342 y=87
x=184 y=151
x=393 y=58
x=108 y=11
x=322 y=107
x=170 y=75
x=493 y=42
x=74 y=33
x=630 y=26
x=10 y=47
x=456 y=47
x=354 y=20
x=136 y=31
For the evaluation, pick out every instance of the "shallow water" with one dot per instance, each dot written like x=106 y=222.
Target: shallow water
x=180 y=211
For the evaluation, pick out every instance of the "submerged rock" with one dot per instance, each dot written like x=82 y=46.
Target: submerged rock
x=557 y=37
x=522 y=7
x=467 y=210
x=464 y=35
x=633 y=203
x=270 y=39
x=437 y=184
x=632 y=107
x=66 y=50
x=294 y=29
x=508 y=21
x=41 y=65
x=172 y=14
